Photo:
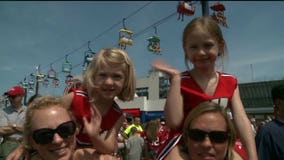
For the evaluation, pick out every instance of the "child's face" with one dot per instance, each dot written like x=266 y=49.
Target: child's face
x=201 y=49
x=109 y=81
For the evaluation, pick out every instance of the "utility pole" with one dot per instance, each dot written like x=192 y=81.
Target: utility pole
x=205 y=8
x=252 y=74
x=37 y=79
x=36 y=85
x=25 y=95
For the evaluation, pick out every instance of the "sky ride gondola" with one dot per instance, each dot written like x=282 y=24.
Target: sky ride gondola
x=185 y=8
x=55 y=82
x=154 y=43
x=88 y=56
x=125 y=37
x=66 y=66
x=51 y=74
x=218 y=13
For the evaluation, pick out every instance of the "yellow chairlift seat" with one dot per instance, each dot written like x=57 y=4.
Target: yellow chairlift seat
x=129 y=32
x=125 y=37
x=124 y=41
x=40 y=77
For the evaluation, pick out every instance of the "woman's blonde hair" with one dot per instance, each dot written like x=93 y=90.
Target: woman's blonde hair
x=211 y=107
x=208 y=24
x=112 y=57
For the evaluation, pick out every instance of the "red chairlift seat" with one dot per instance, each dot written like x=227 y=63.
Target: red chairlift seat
x=185 y=8
x=40 y=77
x=55 y=82
x=218 y=7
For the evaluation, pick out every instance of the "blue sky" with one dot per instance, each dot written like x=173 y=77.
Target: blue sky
x=43 y=32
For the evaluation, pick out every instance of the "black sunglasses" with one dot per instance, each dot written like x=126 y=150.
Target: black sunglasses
x=215 y=136
x=45 y=135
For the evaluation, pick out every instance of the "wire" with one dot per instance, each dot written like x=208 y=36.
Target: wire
x=133 y=13
x=161 y=21
x=154 y=25
x=98 y=36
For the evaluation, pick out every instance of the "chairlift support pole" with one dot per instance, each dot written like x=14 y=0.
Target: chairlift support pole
x=36 y=80
x=205 y=8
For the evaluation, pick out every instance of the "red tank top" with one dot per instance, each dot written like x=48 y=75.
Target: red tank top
x=80 y=107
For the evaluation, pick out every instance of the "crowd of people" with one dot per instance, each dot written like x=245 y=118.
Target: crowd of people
x=204 y=117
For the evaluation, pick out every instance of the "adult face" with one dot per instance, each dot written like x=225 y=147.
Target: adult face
x=137 y=121
x=59 y=148
x=15 y=99
x=110 y=81
x=207 y=148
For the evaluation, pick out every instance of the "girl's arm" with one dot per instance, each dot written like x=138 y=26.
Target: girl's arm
x=174 y=103
x=105 y=143
x=243 y=126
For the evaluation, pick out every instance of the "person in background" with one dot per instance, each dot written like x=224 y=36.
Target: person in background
x=51 y=130
x=203 y=45
x=73 y=84
x=135 y=145
x=11 y=121
x=110 y=74
x=155 y=135
x=253 y=125
x=122 y=141
x=269 y=137
x=18 y=152
x=208 y=133
x=136 y=123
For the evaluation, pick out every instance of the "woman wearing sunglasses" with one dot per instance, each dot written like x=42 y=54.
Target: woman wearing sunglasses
x=209 y=134
x=50 y=130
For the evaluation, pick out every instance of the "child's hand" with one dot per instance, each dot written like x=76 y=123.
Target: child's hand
x=160 y=65
x=93 y=127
